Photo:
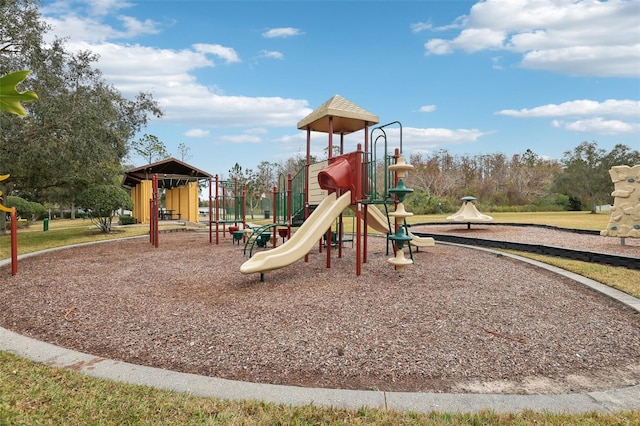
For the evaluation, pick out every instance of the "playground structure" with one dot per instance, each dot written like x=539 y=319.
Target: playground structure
x=343 y=181
x=227 y=209
x=625 y=214
x=357 y=172
x=400 y=237
x=468 y=213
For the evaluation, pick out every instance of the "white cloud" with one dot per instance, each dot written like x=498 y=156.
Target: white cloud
x=573 y=37
x=238 y=139
x=427 y=108
x=197 y=133
x=104 y=7
x=227 y=53
x=89 y=27
x=428 y=26
x=88 y=7
x=439 y=136
x=496 y=61
x=476 y=39
x=134 y=68
x=206 y=108
x=604 y=118
x=256 y=131
x=271 y=54
x=438 y=46
x=598 y=125
x=167 y=75
x=282 y=32
x=421 y=26
x=250 y=136
x=76 y=28
x=620 y=61
x=578 y=108
x=420 y=140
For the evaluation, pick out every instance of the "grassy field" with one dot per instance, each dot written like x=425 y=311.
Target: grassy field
x=64 y=232
x=34 y=394
x=573 y=220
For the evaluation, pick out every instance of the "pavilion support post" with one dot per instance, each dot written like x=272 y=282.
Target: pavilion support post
x=154 y=211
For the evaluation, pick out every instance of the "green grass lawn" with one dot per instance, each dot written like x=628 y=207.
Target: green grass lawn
x=34 y=394
x=63 y=232
x=573 y=220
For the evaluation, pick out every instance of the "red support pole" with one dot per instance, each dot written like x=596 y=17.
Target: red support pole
x=339 y=231
x=289 y=198
x=358 y=200
x=224 y=207
x=14 y=241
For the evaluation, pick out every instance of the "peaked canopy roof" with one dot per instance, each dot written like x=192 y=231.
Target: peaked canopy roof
x=171 y=173
x=347 y=117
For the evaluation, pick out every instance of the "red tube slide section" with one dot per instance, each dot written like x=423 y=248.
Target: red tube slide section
x=336 y=175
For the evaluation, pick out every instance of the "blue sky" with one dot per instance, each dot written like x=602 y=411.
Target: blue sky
x=235 y=77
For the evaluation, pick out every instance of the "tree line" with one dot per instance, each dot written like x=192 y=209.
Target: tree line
x=521 y=182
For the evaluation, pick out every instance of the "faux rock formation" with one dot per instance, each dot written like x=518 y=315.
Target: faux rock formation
x=625 y=212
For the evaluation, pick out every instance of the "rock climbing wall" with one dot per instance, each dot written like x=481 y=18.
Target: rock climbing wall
x=625 y=213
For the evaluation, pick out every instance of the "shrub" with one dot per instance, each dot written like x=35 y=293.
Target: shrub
x=419 y=202
x=28 y=210
x=128 y=220
x=575 y=204
x=102 y=201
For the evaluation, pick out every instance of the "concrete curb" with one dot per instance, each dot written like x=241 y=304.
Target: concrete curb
x=55 y=356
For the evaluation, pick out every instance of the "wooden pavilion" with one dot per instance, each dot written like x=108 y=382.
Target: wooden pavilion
x=178 y=179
